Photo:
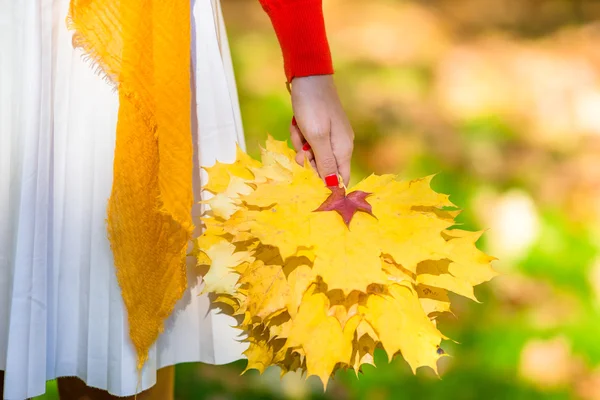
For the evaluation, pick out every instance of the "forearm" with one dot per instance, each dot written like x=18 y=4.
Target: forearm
x=300 y=29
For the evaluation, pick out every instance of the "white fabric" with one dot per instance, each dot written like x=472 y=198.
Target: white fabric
x=61 y=311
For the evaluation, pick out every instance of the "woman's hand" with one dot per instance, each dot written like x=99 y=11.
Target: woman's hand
x=323 y=124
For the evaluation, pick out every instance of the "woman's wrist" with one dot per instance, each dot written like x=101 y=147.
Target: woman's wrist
x=321 y=77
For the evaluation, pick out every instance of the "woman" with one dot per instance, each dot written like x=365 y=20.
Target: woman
x=62 y=311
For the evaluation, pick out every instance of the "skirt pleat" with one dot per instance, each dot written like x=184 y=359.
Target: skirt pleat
x=61 y=310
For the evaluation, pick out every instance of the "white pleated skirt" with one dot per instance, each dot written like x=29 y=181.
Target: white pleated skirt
x=61 y=311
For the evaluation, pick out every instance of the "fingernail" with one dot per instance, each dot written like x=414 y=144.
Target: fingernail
x=294 y=121
x=306 y=146
x=332 y=180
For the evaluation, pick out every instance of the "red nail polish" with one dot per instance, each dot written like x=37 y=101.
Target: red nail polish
x=294 y=121
x=332 y=180
x=306 y=146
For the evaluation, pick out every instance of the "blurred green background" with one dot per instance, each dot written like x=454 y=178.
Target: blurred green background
x=501 y=98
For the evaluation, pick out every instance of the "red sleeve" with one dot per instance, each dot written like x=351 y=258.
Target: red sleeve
x=300 y=29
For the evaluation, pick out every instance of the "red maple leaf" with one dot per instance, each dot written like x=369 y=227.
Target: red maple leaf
x=346 y=205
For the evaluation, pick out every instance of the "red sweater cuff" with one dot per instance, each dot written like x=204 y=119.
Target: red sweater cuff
x=300 y=29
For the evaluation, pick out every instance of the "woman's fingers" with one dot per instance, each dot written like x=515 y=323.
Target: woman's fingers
x=302 y=147
x=296 y=136
x=320 y=142
x=316 y=146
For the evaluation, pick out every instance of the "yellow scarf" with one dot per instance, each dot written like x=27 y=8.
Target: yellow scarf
x=143 y=48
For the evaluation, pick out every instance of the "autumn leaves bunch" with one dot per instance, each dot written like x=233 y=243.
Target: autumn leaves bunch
x=318 y=277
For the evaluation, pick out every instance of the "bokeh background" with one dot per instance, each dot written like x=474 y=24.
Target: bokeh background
x=500 y=98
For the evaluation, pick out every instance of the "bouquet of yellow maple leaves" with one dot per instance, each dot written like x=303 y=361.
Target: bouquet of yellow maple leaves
x=319 y=277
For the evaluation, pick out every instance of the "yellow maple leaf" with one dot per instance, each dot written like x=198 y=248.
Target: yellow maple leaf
x=259 y=353
x=406 y=234
x=294 y=202
x=219 y=174
x=299 y=278
x=267 y=287
x=222 y=277
x=272 y=173
x=278 y=152
x=468 y=262
x=401 y=325
x=277 y=160
x=225 y=204
x=314 y=331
